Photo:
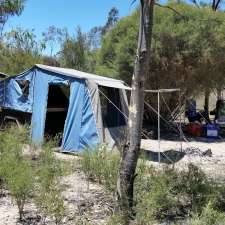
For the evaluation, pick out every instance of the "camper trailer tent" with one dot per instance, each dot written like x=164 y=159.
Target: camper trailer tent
x=84 y=108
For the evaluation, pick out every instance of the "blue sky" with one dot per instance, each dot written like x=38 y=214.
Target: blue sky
x=40 y=14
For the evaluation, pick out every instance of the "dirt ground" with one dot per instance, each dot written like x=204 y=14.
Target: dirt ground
x=84 y=201
x=87 y=201
x=191 y=152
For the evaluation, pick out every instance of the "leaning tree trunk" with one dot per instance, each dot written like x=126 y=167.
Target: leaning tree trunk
x=132 y=148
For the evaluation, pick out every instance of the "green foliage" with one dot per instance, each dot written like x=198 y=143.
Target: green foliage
x=159 y=194
x=156 y=196
x=9 y=8
x=117 y=53
x=170 y=194
x=197 y=188
x=74 y=52
x=116 y=219
x=51 y=203
x=50 y=169
x=102 y=166
x=218 y=199
x=209 y=216
x=19 y=180
x=54 y=35
x=187 y=51
x=49 y=190
x=19 y=51
x=26 y=179
x=15 y=170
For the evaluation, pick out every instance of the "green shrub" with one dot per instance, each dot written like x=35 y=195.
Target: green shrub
x=196 y=187
x=116 y=219
x=51 y=203
x=209 y=216
x=156 y=197
x=102 y=166
x=15 y=170
x=48 y=196
x=49 y=168
x=19 y=180
x=218 y=198
x=168 y=194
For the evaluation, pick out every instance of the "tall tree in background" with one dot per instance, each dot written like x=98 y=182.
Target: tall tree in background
x=96 y=34
x=19 y=51
x=112 y=19
x=54 y=36
x=73 y=52
x=9 y=8
x=132 y=148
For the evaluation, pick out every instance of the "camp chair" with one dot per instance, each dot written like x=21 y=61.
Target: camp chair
x=220 y=114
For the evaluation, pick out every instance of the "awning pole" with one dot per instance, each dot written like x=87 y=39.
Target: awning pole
x=159 y=158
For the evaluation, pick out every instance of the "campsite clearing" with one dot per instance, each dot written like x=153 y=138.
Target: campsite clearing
x=213 y=166
x=89 y=201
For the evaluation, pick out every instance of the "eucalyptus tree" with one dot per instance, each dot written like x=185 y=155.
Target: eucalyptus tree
x=9 y=8
x=131 y=150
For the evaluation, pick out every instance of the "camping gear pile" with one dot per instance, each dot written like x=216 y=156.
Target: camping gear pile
x=200 y=123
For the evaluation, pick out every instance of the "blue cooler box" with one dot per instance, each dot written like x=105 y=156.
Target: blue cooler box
x=212 y=131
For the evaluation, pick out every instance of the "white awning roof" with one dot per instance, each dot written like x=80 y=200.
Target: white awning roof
x=100 y=80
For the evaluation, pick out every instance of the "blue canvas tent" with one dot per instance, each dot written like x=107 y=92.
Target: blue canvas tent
x=93 y=108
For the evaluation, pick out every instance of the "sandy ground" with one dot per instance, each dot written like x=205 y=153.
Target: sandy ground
x=88 y=201
x=84 y=201
x=214 y=166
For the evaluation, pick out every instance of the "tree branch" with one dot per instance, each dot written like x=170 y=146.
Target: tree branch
x=217 y=4
x=172 y=9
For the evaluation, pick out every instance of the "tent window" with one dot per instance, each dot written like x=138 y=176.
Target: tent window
x=111 y=107
x=24 y=85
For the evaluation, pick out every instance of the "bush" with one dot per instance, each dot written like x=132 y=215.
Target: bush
x=209 y=216
x=15 y=170
x=156 y=197
x=116 y=219
x=163 y=194
x=19 y=180
x=196 y=187
x=167 y=194
x=102 y=166
x=218 y=198
x=48 y=194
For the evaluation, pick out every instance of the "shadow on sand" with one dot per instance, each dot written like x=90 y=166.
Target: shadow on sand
x=168 y=157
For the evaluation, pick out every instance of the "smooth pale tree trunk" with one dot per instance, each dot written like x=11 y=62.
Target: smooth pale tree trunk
x=132 y=148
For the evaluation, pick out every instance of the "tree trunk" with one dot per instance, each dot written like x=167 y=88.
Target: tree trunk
x=219 y=93
x=132 y=148
x=206 y=103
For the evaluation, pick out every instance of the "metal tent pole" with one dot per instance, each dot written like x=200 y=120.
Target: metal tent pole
x=159 y=157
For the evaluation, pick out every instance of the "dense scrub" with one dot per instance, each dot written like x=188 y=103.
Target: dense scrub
x=30 y=179
x=162 y=194
x=101 y=166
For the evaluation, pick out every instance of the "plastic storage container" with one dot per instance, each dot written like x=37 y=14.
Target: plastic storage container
x=212 y=131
